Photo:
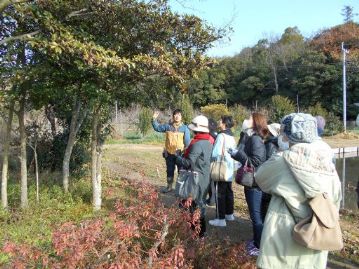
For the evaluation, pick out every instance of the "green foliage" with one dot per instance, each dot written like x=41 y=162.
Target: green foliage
x=50 y=154
x=280 y=107
x=239 y=113
x=215 y=111
x=132 y=137
x=187 y=109
x=333 y=124
x=317 y=110
x=144 y=120
x=35 y=224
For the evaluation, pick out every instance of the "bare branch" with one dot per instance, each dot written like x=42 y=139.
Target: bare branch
x=19 y=37
x=157 y=243
x=78 y=13
x=5 y=3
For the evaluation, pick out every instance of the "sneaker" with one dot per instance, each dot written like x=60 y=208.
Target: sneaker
x=218 y=222
x=250 y=245
x=230 y=217
x=253 y=251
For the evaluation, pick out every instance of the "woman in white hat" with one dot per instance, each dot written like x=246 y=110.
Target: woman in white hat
x=197 y=157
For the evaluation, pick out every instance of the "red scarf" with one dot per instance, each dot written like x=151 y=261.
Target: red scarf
x=196 y=138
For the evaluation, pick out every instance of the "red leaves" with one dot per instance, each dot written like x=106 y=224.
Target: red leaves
x=139 y=233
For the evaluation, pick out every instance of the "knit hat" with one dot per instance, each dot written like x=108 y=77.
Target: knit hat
x=300 y=128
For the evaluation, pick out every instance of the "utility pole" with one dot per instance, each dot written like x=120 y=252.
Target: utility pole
x=345 y=51
x=297 y=102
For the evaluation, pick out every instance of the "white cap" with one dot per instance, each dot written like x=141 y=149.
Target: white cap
x=274 y=129
x=199 y=124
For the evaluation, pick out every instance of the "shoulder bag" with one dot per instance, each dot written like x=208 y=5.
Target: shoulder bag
x=187 y=184
x=245 y=175
x=321 y=230
x=219 y=166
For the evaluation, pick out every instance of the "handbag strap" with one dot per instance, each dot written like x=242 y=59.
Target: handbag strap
x=224 y=143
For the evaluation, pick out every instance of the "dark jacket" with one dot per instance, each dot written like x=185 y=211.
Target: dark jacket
x=271 y=145
x=199 y=160
x=251 y=148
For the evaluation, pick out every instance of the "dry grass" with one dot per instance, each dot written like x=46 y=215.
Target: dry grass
x=343 y=140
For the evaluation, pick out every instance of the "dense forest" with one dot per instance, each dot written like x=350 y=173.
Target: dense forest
x=306 y=70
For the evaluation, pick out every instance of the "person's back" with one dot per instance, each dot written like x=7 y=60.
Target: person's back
x=298 y=174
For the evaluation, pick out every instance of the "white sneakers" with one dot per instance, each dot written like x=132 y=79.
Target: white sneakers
x=230 y=217
x=221 y=222
x=218 y=222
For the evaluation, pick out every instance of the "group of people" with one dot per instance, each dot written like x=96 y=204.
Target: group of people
x=292 y=165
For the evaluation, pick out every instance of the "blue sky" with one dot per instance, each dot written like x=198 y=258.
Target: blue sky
x=256 y=19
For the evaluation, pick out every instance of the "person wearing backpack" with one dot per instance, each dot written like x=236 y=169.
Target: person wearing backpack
x=177 y=139
x=302 y=172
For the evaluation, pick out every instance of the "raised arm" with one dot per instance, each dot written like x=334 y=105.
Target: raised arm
x=159 y=127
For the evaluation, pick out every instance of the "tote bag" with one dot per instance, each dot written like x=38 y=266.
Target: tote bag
x=219 y=167
x=321 y=231
x=187 y=184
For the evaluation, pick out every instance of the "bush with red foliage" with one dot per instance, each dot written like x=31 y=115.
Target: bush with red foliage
x=139 y=233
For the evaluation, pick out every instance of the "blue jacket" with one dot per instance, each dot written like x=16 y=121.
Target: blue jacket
x=162 y=128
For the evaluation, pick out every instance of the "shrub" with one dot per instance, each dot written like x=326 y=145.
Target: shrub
x=333 y=124
x=239 y=113
x=317 y=110
x=144 y=120
x=187 y=109
x=281 y=106
x=139 y=231
x=51 y=154
x=215 y=111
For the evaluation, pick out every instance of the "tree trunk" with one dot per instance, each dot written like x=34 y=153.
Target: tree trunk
x=23 y=158
x=50 y=115
x=70 y=145
x=275 y=78
x=5 y=164
x=36 y=173
x=95 y=163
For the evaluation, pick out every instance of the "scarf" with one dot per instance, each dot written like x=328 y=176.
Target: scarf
x=196 y=138
x=176 y=125
x=227 y=132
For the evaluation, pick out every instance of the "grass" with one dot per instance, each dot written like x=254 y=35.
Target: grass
x=134 y=137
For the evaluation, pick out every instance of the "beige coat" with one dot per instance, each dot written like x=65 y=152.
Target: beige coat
x=298 y=174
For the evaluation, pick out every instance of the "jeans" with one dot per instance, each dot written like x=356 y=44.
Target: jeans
x=254 y=202
x=225 y=200
x=171 y=166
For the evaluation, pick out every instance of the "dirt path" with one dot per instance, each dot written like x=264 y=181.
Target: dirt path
x=145 y=162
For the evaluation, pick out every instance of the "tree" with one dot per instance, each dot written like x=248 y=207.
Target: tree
x=348 y=14
x=143 y=40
